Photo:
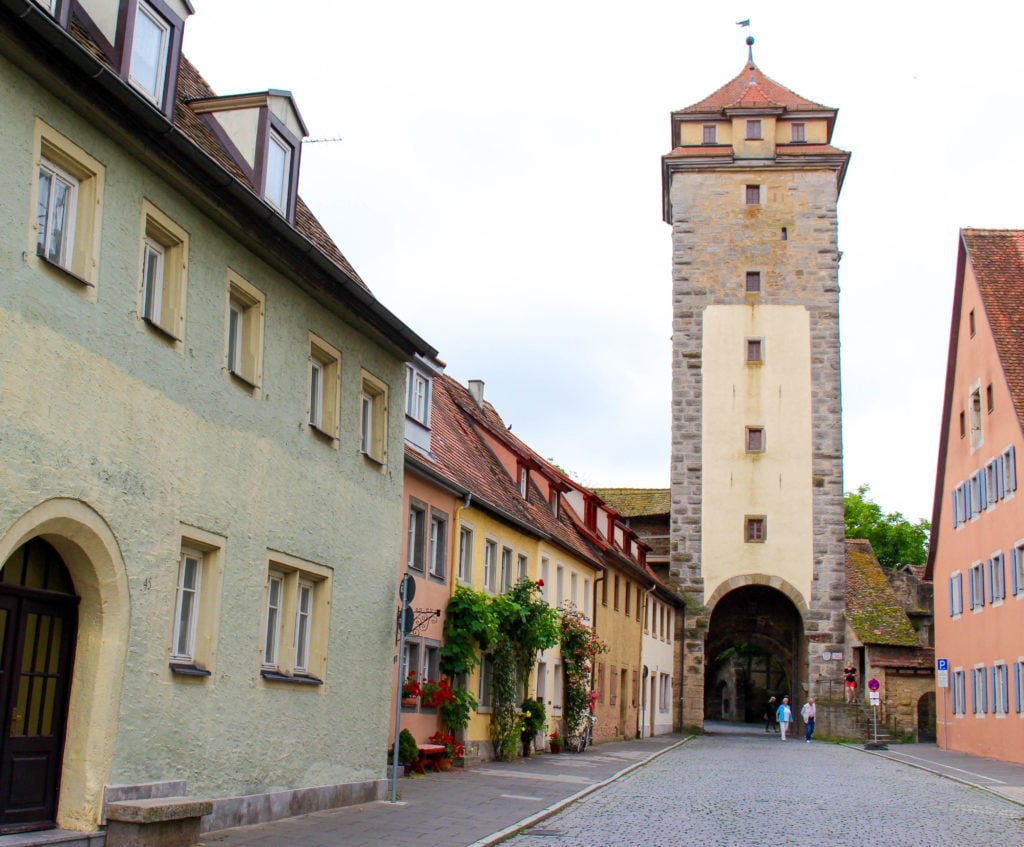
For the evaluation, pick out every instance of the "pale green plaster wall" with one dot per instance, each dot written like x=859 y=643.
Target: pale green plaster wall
x=96 y=408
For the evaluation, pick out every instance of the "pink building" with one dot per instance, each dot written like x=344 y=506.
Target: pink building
x=977 y=544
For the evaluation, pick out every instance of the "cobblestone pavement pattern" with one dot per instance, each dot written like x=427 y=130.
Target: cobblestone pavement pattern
x=744 y=790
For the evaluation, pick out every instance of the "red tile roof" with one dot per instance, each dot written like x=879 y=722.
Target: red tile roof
x=997 y=257
x=764 y=92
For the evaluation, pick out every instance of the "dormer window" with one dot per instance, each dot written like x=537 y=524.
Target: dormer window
x=279 y=170
x=754 y=130
x=798 y=133
x=151 y=45
x=710 y=134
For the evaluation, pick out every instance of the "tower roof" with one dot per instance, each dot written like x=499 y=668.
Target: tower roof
x=751 y=89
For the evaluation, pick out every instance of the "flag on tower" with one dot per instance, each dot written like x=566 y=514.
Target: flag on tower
x=743 y=23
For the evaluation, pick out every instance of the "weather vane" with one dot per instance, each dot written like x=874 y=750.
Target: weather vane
x=750 y=42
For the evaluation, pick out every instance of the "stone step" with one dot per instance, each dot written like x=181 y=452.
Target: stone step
x=62 y=837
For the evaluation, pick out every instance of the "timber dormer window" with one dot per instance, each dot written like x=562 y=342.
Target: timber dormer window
x=263 y=133
x=149 y=36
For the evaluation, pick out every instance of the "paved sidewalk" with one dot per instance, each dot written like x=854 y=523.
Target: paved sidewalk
x=476 y=806
x=1001 y=778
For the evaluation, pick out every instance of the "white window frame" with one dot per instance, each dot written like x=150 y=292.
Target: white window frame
x=277 y=193
x=164 y=30
x=316 y=393
x=186 y=606
x=507 y=568
x=272 y=620
x=976 y=587
x=303 y=625
x=490 y=565
x=958 y=691
x=44 y=217
x=1017 y=569
x=545 y=577
x=997 y=578
x=956 y=594
x=1018 y=686
x=416 y=533
x=417 y=401
x=979 y=690
x=438 y=545
x=1000 y=689
x=522 y=567
x=154 y=257
x=465 y=575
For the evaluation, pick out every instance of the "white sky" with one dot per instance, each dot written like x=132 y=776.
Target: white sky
x=498 y=187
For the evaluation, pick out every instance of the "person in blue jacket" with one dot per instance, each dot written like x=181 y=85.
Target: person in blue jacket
x=784 y=715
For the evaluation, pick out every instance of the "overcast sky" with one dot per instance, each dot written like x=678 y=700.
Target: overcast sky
x=498 y=187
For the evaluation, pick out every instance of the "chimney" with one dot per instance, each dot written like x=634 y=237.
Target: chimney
x=476 y=391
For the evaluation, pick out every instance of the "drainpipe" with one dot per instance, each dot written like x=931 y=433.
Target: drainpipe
x=593 y=626
x=641 y=694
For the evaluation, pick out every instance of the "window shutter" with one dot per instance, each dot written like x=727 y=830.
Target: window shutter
x=952 y=608
x=1013 y=570
x=1011 y=476
x=1017 y=686
x=997 y=466
x=955 y=516
x=1005 y=674
x=991 y=582
x=982 y=489
x=970 y=588
x=983 y=677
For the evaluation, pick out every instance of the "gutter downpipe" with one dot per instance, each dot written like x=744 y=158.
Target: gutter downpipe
x=642 y=693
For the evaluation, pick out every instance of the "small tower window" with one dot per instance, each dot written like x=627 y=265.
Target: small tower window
x=753 y=195
x=753 y=282
x=710 y=134
x=754 y=130
x=755 y=529
x=755 y=351
x=971 y=323
x=755 y=439
x=798 y=133
x=785 y=234
x=990 y=400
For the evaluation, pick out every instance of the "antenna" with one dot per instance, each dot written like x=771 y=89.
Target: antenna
x=321 y=140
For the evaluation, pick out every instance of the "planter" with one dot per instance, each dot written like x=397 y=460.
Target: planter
x=409 y=702
x=555 y=748
x=444 y=764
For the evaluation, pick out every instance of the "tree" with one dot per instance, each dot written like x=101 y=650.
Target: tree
x=895 y=540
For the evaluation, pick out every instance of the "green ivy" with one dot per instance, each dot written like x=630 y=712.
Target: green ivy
x=469 y=627
x=580 y=647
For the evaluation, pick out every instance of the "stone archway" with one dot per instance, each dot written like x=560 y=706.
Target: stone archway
x=926 y=718
x=756 y=646
x=93 y=559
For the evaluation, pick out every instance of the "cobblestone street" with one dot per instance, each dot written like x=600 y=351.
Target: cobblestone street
x=744 y=788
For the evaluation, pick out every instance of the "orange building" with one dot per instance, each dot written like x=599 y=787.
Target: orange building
x=977 y=545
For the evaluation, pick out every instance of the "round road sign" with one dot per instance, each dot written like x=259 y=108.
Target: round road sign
x=873 y=684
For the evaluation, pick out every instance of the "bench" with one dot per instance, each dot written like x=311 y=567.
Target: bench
x=432 y=753
x=158 y=821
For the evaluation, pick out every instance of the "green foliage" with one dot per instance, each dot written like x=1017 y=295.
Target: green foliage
x=408 y=749
x=470 y=626
x=455 y=714
x=895 y=540
x=506 y=722
x=580 y=647
x=535 y=718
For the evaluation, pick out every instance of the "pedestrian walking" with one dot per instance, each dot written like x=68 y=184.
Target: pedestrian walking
x=808 y=713
x=850 y=682
x=784 y=715
x=770 y=724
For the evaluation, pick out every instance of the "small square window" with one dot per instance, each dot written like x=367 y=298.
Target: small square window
x=324 y=388
x=245 y=331
x=373 y=416
x=164 y=271
x=755 y=439
x=753 y=282
x=755 y=529
x=753 y=195
x=755 y=351
x=754 y=130
x=798 y=133
x=710 y=134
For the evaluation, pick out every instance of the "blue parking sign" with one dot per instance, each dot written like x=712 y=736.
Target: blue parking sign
x=942 y=664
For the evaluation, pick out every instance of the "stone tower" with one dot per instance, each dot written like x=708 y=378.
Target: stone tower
x=750 y=189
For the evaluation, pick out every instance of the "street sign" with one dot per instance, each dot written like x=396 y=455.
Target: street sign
x=942 y=673
x=873 y=684
x=875 y=698
x=942 y=664
x=408 y=589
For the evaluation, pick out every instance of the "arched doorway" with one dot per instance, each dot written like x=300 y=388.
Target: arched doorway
x=755 y=649
x=38 y=628
x=926 y=718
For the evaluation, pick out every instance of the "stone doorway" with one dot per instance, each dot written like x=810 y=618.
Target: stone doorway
x=926 y=718
x=755 y=649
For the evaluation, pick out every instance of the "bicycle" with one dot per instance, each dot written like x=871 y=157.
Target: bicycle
x=586 y=734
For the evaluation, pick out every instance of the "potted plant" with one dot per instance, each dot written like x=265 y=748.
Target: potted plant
x=534 y=721
x=434 y=694
x=555 y=742
x=411 y=690
x=408 y=751
x=453 y=749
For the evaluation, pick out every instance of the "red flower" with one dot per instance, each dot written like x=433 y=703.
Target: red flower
x=540 y=583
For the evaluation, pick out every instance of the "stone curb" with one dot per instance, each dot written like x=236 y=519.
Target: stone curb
x=950 y=777
x=554 y=808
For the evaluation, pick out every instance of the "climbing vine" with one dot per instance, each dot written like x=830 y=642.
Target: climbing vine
x=469 y=627
x=580 y=647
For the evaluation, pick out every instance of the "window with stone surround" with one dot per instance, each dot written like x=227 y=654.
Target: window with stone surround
x=755 y=439
x=755 y=351
x=755 y=529
x=753 y=282
x=753 y=195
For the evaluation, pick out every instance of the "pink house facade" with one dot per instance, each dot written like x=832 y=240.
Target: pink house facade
x=976 y=558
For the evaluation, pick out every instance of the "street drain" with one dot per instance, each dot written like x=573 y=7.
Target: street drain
x=547 y=832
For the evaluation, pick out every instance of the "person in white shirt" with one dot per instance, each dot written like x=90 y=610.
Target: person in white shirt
x=808 y=712
x=784 y=715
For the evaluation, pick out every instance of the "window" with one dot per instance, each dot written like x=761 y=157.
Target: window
x=604 y=590
x=49 y=5
x=485 y=683
x=664 y=692
x=574 y=589
x=522 y=568
x=417 y=399
x=490 y=565
x=411 y=657
x=245 y=332
x=615 y=596
x=431 y=662
x=971 y=323
x=996 y=578
x=754 y=130
x=754 y=529
x=559 y=586
x=979 y=690
x=586 y=597
x=753 y=282
x=186 y=606
x=506 y=568
x=1000 y=689
x=68 y=191
x=976 y=586
x=956 y=594
x=466 y=555
x=958 y=693
x=753 y=195
x=416 y=536
x=524 y=480
x=755 y=439
x=963 y=424
x=1018 y=686
x=600 y=682
x=710 y=134
x=438 y=544
x=613 y=688
x=1017 y=568
x=974 y=408
x=151 y=45
x=295 y=620
x=798 y=133
x=164 y=270
x=324 y=388
x=755 y=351
x=629 y=587
x=784 y=232
x=277 y=179
x=990 y=401
x=545 y=577
x=373 y=415
x=1009 y=470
